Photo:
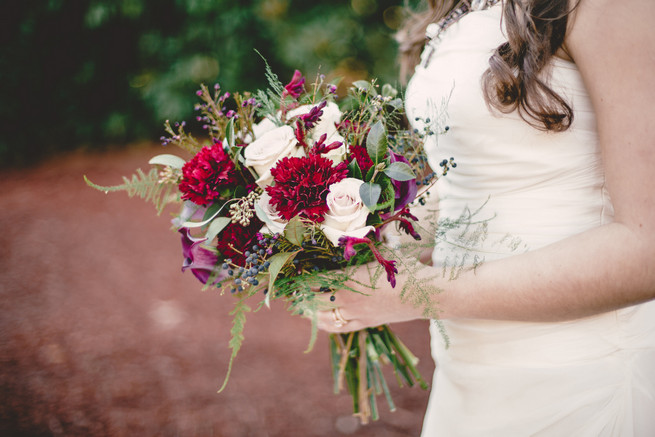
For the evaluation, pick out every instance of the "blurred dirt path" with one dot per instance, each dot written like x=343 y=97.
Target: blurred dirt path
x=102 y=335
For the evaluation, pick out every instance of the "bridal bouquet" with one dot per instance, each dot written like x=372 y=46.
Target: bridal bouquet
x=289 y=191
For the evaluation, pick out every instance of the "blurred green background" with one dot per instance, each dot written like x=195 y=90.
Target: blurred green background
x=98 y=73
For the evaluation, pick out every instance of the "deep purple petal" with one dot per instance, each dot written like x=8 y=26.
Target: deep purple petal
x=405 y=190
x=201 y=261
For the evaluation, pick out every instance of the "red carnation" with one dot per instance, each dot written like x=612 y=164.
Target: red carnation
x=301 y=186
x=206 y=173
x=235 y=239
x=360 y=155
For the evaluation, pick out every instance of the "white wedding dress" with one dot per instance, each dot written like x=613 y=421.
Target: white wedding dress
x=585 y=378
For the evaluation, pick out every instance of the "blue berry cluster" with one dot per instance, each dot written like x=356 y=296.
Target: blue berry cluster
x=255 y=264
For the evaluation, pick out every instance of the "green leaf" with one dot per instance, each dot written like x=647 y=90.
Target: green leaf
x=354 y=170
x=168 y=160
x=370 y=193
x=376 y=142
x=278 y=261
x=238 y=324
x=216 y=226
x=240 y=191
x=261 y=215
x=363 y=84
x=295 y=231
x=212 y=209
x=400 y=171
x=389 y=91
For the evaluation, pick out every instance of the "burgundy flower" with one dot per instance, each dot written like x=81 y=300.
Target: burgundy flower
x=201 y=261
x=206 y=173
x=235 y=240
x=300 y=186
x=320 y=148
x=296 y=86
x=349 y=251
x=314 y=115
x=404 y=224
x=405 y=190
x=360 y=155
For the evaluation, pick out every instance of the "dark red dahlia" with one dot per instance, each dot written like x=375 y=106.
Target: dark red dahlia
x=360 y=155
x=235 y=240
x=301 y=186
x=206 y=173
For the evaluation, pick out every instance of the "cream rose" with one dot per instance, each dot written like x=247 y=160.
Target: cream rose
x=347 y=213
x=262 y=154
x=268 y=214
x=266 y=125
x=327 y=124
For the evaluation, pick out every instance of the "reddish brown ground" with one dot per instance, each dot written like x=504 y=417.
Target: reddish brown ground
x=102 y=335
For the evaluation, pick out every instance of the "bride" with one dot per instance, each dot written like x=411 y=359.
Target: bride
x=550 y=109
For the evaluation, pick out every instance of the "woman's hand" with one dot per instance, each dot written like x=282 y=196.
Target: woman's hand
x=372 y=307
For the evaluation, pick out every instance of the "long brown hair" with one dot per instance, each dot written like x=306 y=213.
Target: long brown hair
x=535 y=31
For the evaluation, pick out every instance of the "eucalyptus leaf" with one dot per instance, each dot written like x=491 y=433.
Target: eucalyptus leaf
x=400 y=171
x=376 y=142
x=216 y=226
x=295 y=231
x=370 y=193
x=261 y=215
x=389 y=91
x=168 y=160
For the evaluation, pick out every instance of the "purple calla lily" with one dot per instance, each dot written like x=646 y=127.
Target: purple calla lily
x=201 y=261
x=405 y=190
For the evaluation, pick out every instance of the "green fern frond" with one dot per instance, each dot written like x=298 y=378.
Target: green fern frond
x=144 y=185
x=238 y=324
x=271 y=77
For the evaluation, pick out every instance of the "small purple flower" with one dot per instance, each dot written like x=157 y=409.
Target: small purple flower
x=405 y=190
x=320 y=148
x=201 y=261
x=296 y=86
x=311 y=118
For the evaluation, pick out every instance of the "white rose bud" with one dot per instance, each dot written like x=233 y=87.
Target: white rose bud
x=347 y=213
x=263 y=153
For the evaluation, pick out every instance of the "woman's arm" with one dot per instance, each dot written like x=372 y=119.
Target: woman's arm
x=609 y=267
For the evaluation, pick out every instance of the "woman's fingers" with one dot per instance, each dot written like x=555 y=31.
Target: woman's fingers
x=337 y=321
